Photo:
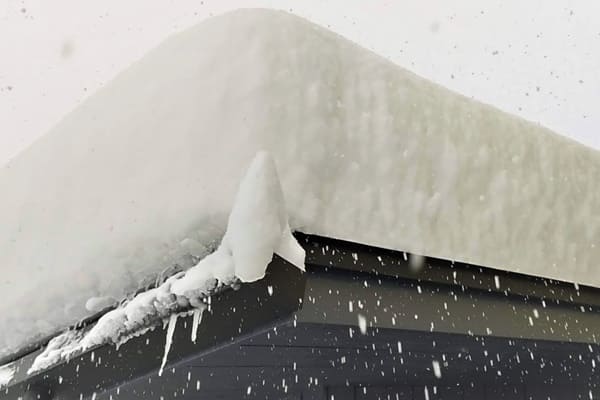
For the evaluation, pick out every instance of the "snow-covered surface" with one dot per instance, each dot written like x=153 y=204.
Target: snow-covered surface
x=98 y=304
x=141 y=177
x=257 y=228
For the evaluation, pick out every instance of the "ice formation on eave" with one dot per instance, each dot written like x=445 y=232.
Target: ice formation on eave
x=141 y=176
x=7 y=372
x=257 y=228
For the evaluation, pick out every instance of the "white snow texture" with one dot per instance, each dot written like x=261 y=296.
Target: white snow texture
x=7 y=372
x=142 y=175
x=257 y=229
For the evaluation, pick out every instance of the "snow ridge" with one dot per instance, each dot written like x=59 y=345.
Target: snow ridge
x=257 y=229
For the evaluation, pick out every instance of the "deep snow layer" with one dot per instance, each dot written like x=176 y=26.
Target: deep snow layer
x=142 y=175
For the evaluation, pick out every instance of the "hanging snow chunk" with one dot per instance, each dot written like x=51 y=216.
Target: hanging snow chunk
x=257 y=228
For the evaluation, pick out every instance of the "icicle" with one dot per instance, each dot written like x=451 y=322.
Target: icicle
x=196 y=321
x=168 y=341
x=7 y=373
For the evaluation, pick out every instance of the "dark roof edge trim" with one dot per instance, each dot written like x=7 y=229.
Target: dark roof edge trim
x=327 y=252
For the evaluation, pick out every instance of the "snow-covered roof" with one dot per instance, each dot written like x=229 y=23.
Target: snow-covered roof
x=142 y=176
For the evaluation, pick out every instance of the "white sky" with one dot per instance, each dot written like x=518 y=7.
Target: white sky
x=535 y=58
